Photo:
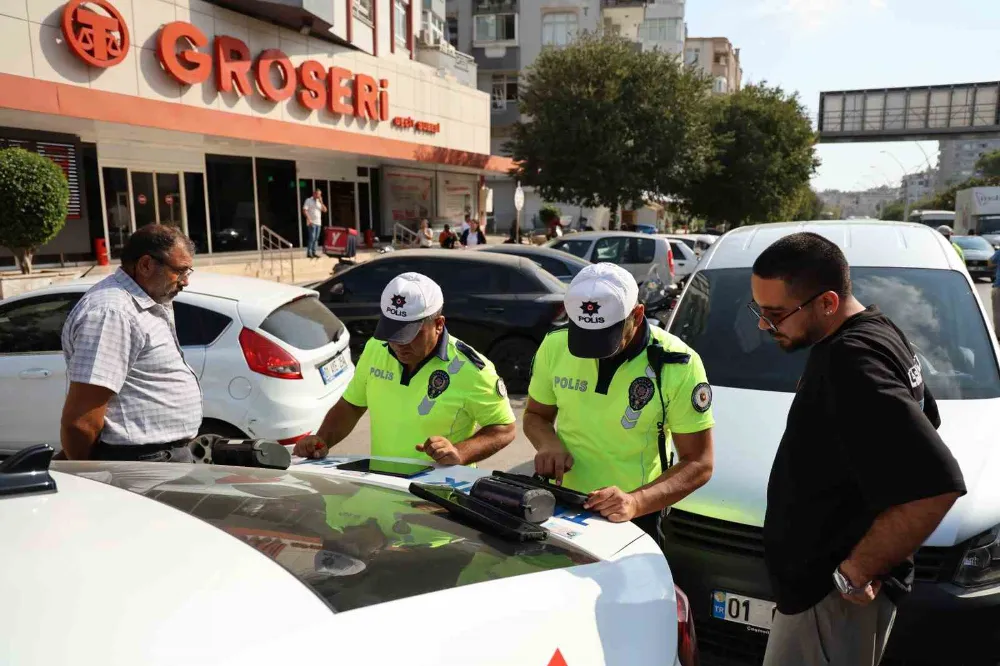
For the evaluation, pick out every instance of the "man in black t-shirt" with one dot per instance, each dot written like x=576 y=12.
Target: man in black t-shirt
x=861 y=477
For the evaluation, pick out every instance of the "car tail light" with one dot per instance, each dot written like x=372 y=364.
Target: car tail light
x=687 y=644
x=267 y=358
x=288 y=441
x=670 y=260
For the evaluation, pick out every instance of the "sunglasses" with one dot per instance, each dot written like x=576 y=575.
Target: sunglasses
x=772 y=324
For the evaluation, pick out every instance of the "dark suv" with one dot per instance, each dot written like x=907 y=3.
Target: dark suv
x=501 y=305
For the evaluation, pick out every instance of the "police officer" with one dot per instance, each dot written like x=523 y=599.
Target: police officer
x=620 y=388
x=431 y=396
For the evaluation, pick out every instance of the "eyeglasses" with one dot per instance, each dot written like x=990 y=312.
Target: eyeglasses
x=772 y=324
x=182 y=272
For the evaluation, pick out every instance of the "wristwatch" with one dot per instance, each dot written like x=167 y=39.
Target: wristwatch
x=844 y=585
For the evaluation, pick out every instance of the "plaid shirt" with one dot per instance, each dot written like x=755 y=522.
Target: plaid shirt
x=120 y=338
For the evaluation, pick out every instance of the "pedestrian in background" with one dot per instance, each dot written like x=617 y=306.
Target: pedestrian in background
x=861 y=477
x=473 y=236
x=131 y=394
x=448 y=239
x=313 y=209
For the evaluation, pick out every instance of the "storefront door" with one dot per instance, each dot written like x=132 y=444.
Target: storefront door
x=143 y=198
x=135 y=198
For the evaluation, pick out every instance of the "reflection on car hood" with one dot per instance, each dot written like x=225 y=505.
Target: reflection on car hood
x=353 y=544
x=749 y=425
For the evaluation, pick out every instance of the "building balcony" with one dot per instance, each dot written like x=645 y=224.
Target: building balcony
x=449 y=62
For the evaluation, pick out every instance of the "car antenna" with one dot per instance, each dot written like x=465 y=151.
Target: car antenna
x=27 y=471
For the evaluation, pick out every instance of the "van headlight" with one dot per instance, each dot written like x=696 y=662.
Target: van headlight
x=980 y=564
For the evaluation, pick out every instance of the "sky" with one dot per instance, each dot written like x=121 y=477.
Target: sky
x=810 y=46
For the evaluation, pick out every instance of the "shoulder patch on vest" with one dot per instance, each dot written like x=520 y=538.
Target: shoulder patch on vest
x=470 y=354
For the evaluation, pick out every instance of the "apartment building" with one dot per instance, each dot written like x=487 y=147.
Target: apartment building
x=715 y=57
x=866 y=203
x=957 y=159
x=918 y=186
x=506 y=36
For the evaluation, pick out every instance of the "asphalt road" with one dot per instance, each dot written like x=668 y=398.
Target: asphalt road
x=520 y=452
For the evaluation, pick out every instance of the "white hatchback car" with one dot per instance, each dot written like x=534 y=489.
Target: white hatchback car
x=270 y=357
x=164 y=564
x=642 y=255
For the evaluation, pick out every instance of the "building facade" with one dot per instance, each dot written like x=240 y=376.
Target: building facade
x=957 y=159
x=506 y=36
x=918 y=186
x=866 y=203
x=223 y=119
x=715 y=57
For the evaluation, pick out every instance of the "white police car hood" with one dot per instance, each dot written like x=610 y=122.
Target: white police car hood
x=749 y=425
x=156 y=564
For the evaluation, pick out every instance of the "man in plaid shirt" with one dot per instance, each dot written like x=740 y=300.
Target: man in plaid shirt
x=131 y=394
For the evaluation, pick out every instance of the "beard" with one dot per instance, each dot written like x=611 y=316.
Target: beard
x=789 y=344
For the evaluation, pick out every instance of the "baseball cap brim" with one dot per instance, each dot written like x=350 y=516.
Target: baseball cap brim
x=591 y=343
x=394 y=330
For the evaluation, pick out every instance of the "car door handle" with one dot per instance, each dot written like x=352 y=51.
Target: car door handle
x=493 y=310
x=35 y=373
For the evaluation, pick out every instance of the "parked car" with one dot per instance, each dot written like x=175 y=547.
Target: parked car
x=270 y=358
x=561 y=264
x=713 y=539
x=697 y=242
x=642 y=255
x=501 y=305
x=978 y=252
x=314 y=565
x=685 y=258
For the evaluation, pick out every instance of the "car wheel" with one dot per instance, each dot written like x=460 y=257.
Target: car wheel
x=512 y=358
x=221 y=428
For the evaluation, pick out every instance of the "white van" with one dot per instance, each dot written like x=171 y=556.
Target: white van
x=713 y=539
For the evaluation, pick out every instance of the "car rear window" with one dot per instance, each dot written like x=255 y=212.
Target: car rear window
x=304 y=323
x=935 y=309
x=354 y=545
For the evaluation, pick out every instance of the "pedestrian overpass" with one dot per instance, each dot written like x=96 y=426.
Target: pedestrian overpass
x=918 y=113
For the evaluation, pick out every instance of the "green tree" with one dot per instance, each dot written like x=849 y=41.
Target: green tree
x=609 y=125
x=762 y=155
x=893 y=211
x=988 y=165
x=804 y=205
x=34 y=202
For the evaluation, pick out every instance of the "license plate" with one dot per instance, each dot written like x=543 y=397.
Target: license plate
x=330 y=370
x=743 y=610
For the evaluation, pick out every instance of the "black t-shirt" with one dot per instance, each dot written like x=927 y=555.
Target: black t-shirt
x=861 y=437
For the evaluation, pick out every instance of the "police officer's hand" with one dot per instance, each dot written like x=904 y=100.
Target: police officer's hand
x=553 y=462
x=613 y=503
x=441 y=450
x=311 y=447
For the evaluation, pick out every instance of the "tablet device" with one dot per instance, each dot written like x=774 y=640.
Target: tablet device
x=403 y=470
x=484 y=516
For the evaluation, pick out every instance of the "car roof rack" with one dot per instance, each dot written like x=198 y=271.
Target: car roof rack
x=26 y=471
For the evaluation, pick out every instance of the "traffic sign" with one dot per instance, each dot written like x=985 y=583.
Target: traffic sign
x=518 y=198
x=142 y=199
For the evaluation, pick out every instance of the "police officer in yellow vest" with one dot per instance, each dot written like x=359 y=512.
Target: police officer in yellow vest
x=620 y=389
x=431 y=396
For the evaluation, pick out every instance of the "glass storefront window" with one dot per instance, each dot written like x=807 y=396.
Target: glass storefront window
x=197 y=221
x=342 y=204
x=117 y=203
x=277 y=202
x=231 y=203
x=168 y=199
x=143 y=198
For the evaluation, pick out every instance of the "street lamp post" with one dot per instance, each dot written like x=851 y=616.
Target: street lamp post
x=906 y=187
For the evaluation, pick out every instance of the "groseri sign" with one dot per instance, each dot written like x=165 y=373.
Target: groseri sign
x=99 y=38
x=313 y=85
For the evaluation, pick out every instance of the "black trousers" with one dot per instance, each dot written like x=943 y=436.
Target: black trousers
x=166 y=452
x=650 y=524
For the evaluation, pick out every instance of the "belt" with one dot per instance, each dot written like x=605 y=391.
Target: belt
x=105 y=451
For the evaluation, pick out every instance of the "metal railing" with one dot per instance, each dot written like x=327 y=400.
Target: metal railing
x=403 y=235
x=273 y=246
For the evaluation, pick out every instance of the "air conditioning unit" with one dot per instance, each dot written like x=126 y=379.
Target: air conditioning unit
x=426 y=38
